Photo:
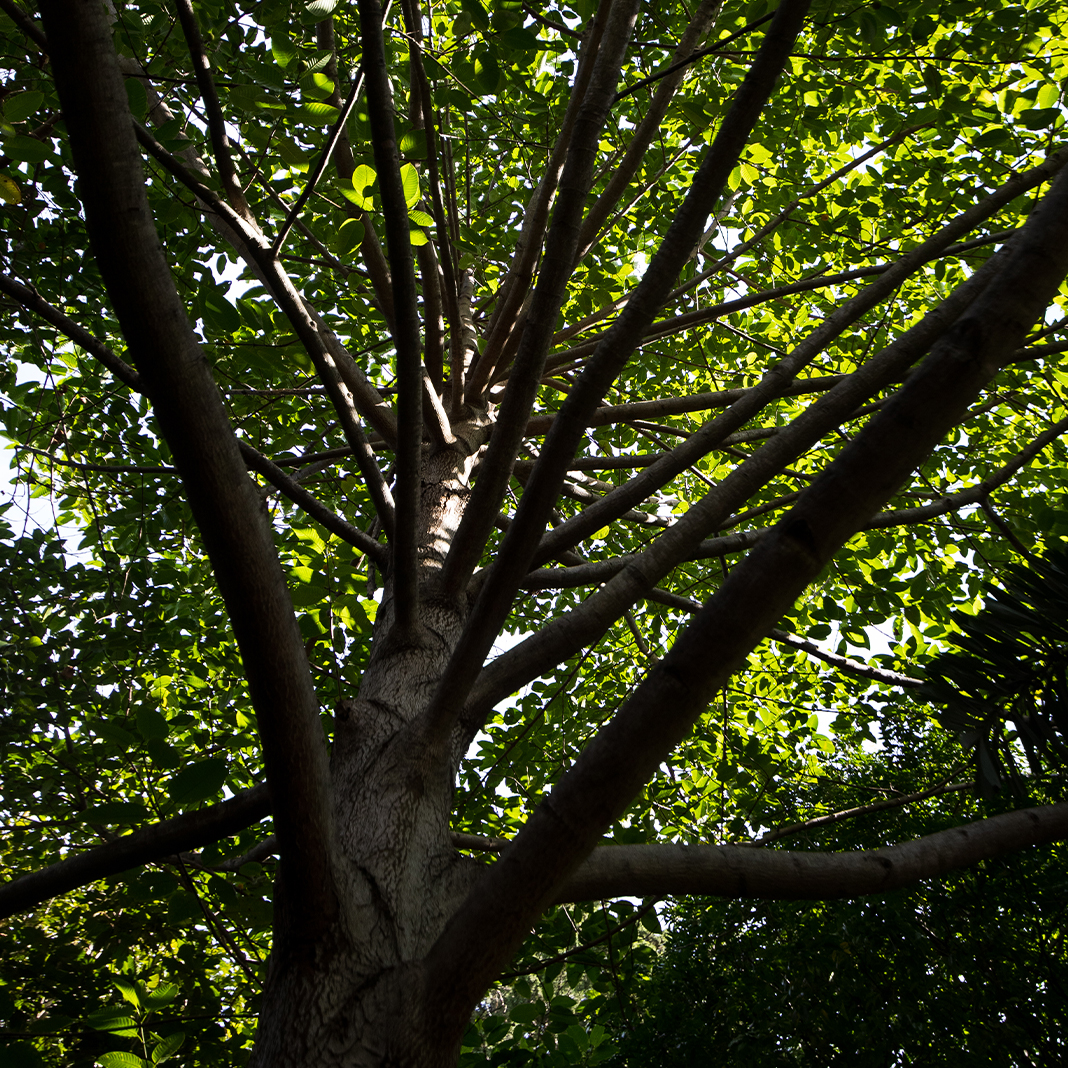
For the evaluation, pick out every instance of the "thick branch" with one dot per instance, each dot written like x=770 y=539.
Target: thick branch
x=193 y=420
x=405 y=309
x=742 y=871
x=191 y=830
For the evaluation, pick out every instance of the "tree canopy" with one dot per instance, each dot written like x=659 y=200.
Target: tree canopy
x=482 y=469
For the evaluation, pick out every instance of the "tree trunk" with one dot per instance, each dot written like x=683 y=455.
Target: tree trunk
x=348 y=999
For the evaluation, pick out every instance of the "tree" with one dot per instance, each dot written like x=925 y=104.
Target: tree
x=542 y=316
x=969 y=967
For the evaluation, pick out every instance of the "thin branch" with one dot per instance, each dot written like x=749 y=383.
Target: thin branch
x=648 y=127
x=601 y=571
x=220 y=142
x=861 y=810
x=778 y=377
x=664 y=328
x=256 y=461
x=845 y=663
x=321 y=164
x=107 y=469
x=691 y=59
x=515 y=287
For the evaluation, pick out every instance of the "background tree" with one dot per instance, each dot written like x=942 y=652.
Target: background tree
x=543 y=318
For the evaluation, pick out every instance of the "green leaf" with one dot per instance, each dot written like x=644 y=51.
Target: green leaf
x=1039 y=118
x=283 y=50
x=413 y=145
x=198 y=782
x=151 y=724
x=167 y=1047
x=27 y=149
x=219 y=314
x=20 y=106
x=359 y=191
x=476 y=13
x=349 y=237
x=519 y=39
x=130 y=992
x=9 y=191
x=420 y=218
x=320 y=114
x=160 y=997
x=119 y=1059
x=410 y=181
x=114 y=1019
x=137 y=98
x=318 y=10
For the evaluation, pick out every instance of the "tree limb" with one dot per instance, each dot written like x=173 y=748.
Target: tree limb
x=191 y=830
x=735 y=871
x=409 y=444
x=193 y=420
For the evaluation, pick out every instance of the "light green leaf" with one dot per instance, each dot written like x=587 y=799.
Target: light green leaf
x=420 y=218
x=319 y=113
x=349 y=237
x=130 y=992
x=363 y=180
x=9 y=191
x=283 y=49
x=410 y=181
x=160 y=997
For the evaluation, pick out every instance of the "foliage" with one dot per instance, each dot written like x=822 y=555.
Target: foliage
x=970 y=967
x=123 y=697
x=1009 y=667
